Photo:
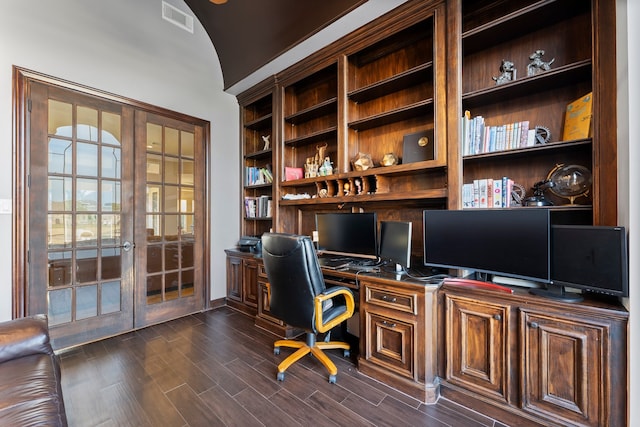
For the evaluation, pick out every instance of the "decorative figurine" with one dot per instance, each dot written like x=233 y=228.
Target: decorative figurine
x=362 y=162
x=508 y=70
x=537 y=65
x=543 y=134
x=326 y=168
x=389 y=159
x=267 y=143
x=311 y=168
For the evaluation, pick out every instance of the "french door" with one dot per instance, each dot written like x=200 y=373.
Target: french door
x=115 y=211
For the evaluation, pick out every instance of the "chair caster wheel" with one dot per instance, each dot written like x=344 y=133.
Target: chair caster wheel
x=276 y=350
x=280 y=376
x=347 y=353
x=332 y=379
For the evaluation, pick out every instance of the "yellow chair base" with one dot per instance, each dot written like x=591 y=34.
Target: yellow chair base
x=304 y=349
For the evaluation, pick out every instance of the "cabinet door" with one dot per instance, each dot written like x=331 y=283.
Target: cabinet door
x=477 y=344
x=250 y=282
x=564 y=372
x=234 y=278
x=390 y=343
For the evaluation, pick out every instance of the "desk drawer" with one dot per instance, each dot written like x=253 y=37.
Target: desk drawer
x=261 y=271
x=395 y=299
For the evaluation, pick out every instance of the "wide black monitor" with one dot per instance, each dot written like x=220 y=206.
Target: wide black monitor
x=591 y=258
x=350 y=234
x=395 y=243
x=513 y=243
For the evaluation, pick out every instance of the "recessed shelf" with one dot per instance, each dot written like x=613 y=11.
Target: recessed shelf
x=318 y=110
x=313 y=137
x=561 y=76
x=400 y=81
x=395 y=115
x=263 y=122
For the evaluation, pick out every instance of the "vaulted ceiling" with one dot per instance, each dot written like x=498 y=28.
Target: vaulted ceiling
x=247 y=34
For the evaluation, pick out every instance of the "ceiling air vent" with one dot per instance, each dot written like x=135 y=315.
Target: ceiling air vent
x=177 y=17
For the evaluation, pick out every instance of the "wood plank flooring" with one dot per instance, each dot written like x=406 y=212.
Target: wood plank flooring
x=217 y=369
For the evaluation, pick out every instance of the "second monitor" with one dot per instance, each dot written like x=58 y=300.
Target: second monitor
x=395 y=244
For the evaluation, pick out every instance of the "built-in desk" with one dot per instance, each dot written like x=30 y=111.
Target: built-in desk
x=396 y=320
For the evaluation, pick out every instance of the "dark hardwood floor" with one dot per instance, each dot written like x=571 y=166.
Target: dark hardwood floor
x=217 y=369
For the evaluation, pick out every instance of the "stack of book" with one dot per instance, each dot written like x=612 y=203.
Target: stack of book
x=258 y=176
x=478 y=138
x=487 y=193
x=257 y=207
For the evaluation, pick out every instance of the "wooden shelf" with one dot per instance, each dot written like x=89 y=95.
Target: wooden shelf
x=259 y=154
x=518 y=22
x=318 y=110
x=399 y=170
x=558 y=145
x=438 y=193
x=549 y=80
x=263 y=122
x=400 y=81
x=313 y=137
x=391 y=116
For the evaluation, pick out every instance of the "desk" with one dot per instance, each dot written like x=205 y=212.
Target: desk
x=396 y=323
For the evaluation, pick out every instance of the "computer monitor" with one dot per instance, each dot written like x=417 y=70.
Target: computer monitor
x=590 y=258
x=349 y=234
x=395 y=244
x=511 y=243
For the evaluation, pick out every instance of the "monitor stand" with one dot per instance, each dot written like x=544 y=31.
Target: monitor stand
x=558 y=293
x=399 y=270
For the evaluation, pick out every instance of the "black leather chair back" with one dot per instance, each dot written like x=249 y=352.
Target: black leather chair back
x=291 y=264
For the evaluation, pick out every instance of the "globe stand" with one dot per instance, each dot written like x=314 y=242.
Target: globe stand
x=568 y=182
x=538 y=198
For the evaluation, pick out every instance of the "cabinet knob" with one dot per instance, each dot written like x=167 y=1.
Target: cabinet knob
x=497 y=317
x=534 y=325
x=389 y=325
x=386 y=298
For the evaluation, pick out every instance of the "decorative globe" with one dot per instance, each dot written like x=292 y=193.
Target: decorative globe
x=570 y=182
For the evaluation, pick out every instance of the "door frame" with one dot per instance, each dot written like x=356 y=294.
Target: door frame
x=20 y=193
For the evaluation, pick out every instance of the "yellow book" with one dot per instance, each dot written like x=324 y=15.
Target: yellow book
x=577 y=118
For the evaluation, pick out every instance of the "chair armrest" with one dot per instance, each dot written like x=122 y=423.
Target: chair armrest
x=23 y=337
x=331 y=293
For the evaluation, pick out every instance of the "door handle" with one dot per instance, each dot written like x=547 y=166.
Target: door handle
x=127 y=246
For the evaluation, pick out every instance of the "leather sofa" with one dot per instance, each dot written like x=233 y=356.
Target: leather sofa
x=30 y=387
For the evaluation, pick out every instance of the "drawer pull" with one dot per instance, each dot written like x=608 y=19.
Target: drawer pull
x=534 y=325
x=388 y=325
x=497 y=317
x=386 y=298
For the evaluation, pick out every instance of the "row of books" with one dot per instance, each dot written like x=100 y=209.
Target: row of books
x=258 y=207
x=478 y=138
x=488 y=193
x=257 y=176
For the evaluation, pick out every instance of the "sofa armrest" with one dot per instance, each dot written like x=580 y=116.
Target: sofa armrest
x=23 y=337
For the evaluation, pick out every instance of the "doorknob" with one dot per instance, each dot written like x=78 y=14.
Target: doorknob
x=127 y=246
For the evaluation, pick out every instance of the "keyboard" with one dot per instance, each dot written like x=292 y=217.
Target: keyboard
x=334 y=263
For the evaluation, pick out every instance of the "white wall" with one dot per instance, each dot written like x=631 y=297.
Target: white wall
x=628 y=64
x=126 y=48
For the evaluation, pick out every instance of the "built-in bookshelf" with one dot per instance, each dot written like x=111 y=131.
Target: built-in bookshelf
x=257 y=146
x=493 y=32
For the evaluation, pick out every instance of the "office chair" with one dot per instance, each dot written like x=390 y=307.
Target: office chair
x=299 y=298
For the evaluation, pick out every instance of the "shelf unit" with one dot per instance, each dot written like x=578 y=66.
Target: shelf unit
x=364 y=95
x=493 y=31
x=257 y=119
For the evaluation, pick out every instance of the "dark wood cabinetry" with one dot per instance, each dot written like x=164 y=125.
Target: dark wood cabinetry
x=242 y=281
x=480 y=344
x=398 y=344
x=544 y=360
x=417 y=69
